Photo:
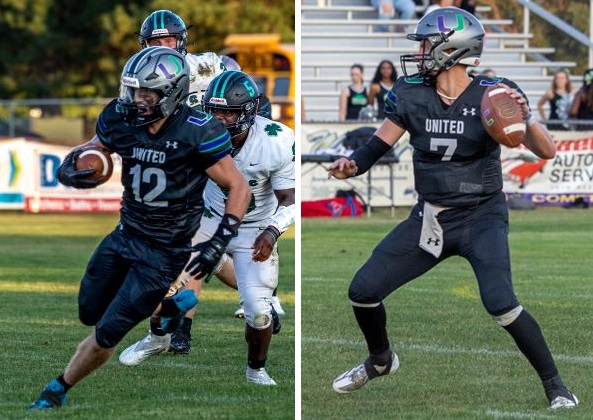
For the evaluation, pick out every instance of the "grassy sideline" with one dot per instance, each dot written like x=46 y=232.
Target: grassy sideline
x=42 y=258
x=455 y=362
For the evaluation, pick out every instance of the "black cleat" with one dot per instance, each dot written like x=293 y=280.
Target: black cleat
x=180 y=342
x=276 y=325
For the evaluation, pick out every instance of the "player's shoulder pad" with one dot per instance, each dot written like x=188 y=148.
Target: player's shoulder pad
x=486 y=81
x=110 y=119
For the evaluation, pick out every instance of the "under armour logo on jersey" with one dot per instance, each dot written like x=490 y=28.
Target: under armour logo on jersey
x=471 y=111
x=171 y=144
x=431 y=240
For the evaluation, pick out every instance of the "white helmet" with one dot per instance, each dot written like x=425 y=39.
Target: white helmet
x=203 y=68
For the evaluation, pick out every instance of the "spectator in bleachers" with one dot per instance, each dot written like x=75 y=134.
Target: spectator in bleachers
x=355 y=96
x=582 y=104
x=467 y=5
x=559 y=97
x=385 y=77
x=489 y=73
x=435 y=4
x=406 y=9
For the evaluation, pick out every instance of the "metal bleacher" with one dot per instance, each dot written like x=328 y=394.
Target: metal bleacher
x=337 y=33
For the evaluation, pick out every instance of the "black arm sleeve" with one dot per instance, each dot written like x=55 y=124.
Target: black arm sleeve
x=366 y=156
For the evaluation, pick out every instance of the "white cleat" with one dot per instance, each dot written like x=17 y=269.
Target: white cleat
x=277 y=306
x=143 y=349
x=259 y=377
x=564 y=402
x=240 y=313
x=357 y=377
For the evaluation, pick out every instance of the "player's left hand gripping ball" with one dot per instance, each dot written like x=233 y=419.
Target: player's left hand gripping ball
x=502 y=117
x=85 y=168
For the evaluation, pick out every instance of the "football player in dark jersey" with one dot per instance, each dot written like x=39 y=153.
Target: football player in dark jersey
x=461 y=208
x=168 y=153
x=263 y=151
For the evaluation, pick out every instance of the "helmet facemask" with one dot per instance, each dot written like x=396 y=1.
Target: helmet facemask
x=246 y=111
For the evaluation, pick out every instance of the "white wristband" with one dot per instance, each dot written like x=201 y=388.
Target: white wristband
x=529 y=120
x=283 y=218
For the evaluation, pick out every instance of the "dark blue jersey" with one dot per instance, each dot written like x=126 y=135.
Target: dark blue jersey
x=456 y=163
x=164 y=174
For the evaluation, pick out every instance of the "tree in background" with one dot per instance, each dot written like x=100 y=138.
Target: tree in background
x=71 y=48
x=574 y=12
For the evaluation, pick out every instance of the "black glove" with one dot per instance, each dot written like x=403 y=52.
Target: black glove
x=211 y=251
x=69 y=176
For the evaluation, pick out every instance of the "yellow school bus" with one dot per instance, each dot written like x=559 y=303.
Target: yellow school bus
x=271 y=65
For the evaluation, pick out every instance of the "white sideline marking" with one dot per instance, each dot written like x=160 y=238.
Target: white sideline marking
x=514 y=414
x=430 y=348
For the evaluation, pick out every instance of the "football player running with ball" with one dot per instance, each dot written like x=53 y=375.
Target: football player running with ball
x=168 y=152
x=461 y=208
x=263 y=150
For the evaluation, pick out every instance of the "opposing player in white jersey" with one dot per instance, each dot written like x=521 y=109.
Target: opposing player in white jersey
x=263 y=150
x=164 y=28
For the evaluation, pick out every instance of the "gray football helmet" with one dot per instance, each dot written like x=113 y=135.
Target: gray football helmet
x=455 y=37
x=162 y=70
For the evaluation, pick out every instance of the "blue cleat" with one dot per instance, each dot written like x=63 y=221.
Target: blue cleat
x=53 y=395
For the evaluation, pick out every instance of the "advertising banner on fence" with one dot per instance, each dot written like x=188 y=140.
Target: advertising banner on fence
x=28 y=181
x=557 y=182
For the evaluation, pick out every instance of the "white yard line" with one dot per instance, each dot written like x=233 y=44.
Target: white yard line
x=432 y=348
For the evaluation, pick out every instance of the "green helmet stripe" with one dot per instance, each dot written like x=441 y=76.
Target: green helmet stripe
x=225 y=78
x=162 y=20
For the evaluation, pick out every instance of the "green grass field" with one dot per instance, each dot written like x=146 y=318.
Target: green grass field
x=456 y=363
x=42 y=258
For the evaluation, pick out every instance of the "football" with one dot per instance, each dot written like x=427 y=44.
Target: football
x=94 y=158
x=502 y=117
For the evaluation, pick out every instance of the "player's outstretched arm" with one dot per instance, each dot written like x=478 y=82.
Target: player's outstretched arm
x=366 y=156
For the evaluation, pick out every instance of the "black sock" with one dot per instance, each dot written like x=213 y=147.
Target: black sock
x=63 y=382
x=552 y=385
x=530 y=340
x=186 y=324
x=155 y=327
x=256 y=364
x=372 y=321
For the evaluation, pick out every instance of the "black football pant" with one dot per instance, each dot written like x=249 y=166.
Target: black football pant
x=125 y=280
